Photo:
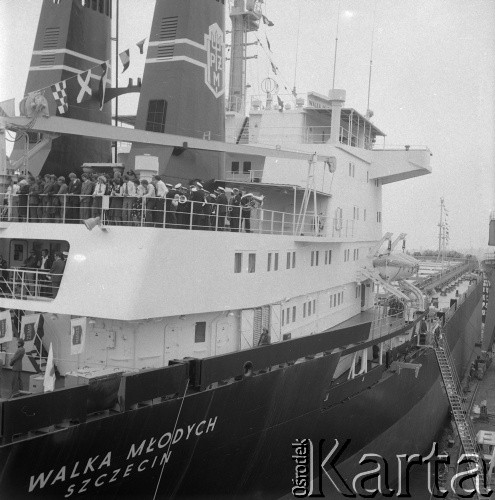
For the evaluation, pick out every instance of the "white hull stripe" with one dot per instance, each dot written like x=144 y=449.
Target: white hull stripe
x=63 y=67
x=177 y=58
x=175 y=42
x=69 y=52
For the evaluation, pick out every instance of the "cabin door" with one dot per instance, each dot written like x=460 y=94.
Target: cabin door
x=172 y=337
x=17 y=253
x=224 y=337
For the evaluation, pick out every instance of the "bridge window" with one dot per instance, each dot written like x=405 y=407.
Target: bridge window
x=235 y=167
x=157 y=111
x=252 y=263
x=238 y=262
x=200 y=332
x=101 y=6
x=246 y=167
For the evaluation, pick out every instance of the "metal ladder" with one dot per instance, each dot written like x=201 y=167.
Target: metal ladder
x=462 y=420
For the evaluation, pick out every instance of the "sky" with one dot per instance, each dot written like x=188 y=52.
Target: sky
x=432 y=84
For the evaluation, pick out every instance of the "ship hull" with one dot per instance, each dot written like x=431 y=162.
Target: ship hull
x=236 y=439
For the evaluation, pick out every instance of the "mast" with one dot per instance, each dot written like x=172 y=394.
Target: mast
x=336 y=43
x=116 y=70
x=245 y=16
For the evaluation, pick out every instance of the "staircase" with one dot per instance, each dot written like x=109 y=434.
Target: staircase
x=462 y=420
x=243 y=137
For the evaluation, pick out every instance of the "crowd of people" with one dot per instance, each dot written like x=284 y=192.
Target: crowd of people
x=127 y=200
x=41 y=274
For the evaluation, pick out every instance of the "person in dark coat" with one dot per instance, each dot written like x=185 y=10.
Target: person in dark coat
x=35 y=188
x=235 y=210
x=73 y=191
x=222 y=203
x=44 y=265
x=16 y=365
x=56 y=272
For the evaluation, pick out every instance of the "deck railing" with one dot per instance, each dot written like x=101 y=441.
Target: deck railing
x=27 y=284
x=162 y=213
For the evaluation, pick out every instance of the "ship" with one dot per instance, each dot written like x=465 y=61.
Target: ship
x=198 y=357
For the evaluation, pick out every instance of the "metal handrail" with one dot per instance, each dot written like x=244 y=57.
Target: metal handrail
x=148 y=212
x=26 y=283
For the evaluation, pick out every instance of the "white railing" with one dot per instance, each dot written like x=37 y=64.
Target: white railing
x=385 y=325
x=161 y=213
x=25 y=284
x=250 y=176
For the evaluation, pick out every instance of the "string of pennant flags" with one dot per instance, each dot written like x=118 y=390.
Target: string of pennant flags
x=84 y=91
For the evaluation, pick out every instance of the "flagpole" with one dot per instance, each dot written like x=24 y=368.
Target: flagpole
x=116 y=71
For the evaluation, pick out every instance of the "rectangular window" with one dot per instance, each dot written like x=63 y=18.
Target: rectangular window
x=269 y=262
x=338 y=301
x=357 y=254
x=317 y=257
x=350 y=169
x=94 y=4
x=238 y=262
x=101 y=6
x=235 y=167
x=312 y=257
x=283 y=317
x=252 y=263
x=200 y=332
x=304 y=310
x=367 y=176
x=157 y=111
x=107 y=7
x=293 y=260
x=246 y=167
x=287 y=315
x=309 y=308
x=275 y=265
x=314 y=306
x=288 y=260
x=286 y=336
x=326 y=257
x=329 y=256
x=293 y=314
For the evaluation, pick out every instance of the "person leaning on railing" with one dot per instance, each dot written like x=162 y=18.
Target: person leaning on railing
x=148 y=199
x=87 y=188
x=60 y=200
x=116 y=201
x=222 y=203
x=73 y=192
x=35 y=188
x=23 y=199
x=98 y=193
x=56 y=272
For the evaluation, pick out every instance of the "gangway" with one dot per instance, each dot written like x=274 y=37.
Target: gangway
x=462 y=421
x=367 y=273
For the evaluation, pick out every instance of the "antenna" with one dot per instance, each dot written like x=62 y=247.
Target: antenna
x=297 y=48
x=336 y=43
x=368 y=111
